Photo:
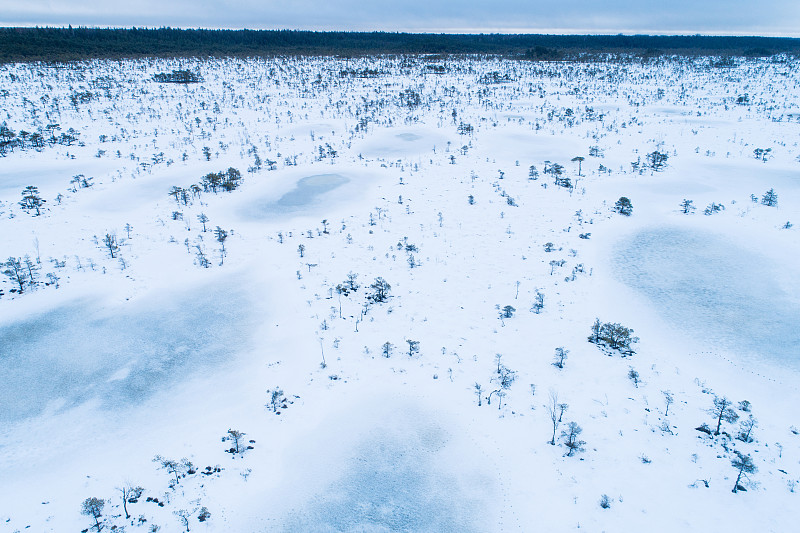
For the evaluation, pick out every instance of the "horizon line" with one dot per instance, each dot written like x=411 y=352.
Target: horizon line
x=583 y=32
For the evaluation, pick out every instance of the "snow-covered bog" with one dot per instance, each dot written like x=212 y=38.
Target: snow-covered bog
x=399 y=294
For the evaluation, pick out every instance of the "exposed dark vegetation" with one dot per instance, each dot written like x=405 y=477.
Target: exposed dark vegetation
x=74 y=44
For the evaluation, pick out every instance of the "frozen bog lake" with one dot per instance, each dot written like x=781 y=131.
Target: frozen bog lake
x=393 y=466
x=118 y=355
x=309 y=192
x=715 y=290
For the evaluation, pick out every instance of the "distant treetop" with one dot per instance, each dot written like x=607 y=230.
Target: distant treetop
x=75 y=44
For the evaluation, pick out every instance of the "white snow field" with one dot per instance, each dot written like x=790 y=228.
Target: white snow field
x=195 y=314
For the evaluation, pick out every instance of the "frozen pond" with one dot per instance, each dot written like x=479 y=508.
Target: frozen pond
x=718 y=292
x=307 y=192
x=309 y=189
x=393 y=482
x=393 y=144
x=408 y=137
x=118 y=356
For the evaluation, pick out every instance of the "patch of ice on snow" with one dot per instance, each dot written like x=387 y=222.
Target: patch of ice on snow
x=714 y=290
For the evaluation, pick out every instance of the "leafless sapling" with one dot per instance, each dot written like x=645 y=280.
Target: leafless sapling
x=562 y=408
x=183 y=516
x=130 y=494
x=170 y=465
x=221 y=235
x=505 y=378
x=555 y=413
x=668 y=400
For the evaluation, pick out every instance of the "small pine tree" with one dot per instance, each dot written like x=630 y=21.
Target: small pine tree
x=571 y=440
x=623 y=206
x=722 y=411
x=633 y=375
x=508 y=311
x=203 y=219
x=93 y=507
x=413 y=347
x=110 y=242
x=16 y=272
x=560 y=357
x=744 y=464
x=614 y=336
x=746 y=429
x=605 y=501
x=386 y=349
x=31 y=201
x=769 y=199
x=380 y=291
x=657 y=160
x=235 y=436
x=538 y=303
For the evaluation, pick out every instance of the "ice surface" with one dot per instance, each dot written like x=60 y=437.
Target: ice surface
x=713 y=289
x=412 y=143
x=119 y=355
x=408 y=137
x=307 y=191
x=393 y=482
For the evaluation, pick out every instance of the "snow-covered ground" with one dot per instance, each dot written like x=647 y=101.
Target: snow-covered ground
x=441 y=184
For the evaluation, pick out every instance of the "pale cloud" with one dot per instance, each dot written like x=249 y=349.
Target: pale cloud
x=768 y=17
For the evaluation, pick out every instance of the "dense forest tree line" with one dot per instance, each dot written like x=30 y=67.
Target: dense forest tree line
x=70 y=44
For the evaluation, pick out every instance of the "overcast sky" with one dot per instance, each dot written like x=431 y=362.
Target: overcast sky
x=732 y=17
